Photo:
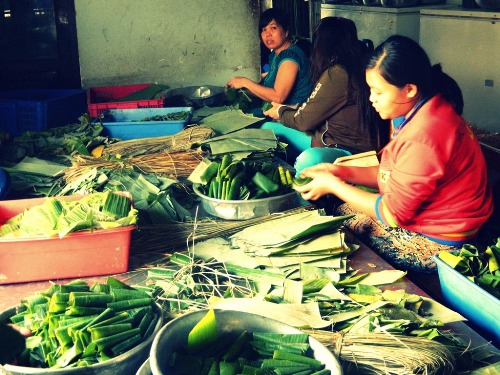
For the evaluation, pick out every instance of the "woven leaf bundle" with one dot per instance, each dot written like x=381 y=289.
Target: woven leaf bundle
x=384 y=353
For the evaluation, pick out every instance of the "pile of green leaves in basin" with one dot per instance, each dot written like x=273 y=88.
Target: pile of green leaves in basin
x=176 y=116
x=209 y=352
x=230 y=179
x=76 y=325
x=480 y=267
x=63 y=216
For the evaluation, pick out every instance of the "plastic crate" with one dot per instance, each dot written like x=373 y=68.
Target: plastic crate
x=100 y=99
x=79 y=254
x=40 y=109
x=470 y=300
x=126 y=124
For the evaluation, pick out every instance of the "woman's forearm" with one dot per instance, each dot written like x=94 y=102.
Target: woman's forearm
x=323 y=183
x=365 y=176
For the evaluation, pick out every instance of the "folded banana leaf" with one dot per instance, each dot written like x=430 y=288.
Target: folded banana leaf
x=229 y=121
x=245 y=140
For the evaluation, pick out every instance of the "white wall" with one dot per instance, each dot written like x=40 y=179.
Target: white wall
x=467 y=45
x=173 y=42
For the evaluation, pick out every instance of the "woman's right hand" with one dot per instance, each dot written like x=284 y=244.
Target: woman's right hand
x=322 y=183
x=273 y=111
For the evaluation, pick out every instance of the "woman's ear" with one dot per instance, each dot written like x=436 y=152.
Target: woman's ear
x=411 y=90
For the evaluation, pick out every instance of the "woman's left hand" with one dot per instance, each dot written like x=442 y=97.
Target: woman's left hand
x=322 y=183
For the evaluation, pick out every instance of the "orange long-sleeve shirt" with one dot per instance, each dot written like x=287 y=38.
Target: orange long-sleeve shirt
x=433 y=178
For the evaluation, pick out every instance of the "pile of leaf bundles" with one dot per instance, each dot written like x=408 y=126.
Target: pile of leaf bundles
x=480 y=267
x=76 y=325
x=59 y=216
x=209 y=350
x=153 y=195
x=54 y=144
x=228 y=179
x=35 y=177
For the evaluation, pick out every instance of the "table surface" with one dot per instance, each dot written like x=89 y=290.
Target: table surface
x=363 y=259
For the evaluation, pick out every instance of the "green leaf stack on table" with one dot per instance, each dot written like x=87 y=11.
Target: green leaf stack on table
x=75 y=324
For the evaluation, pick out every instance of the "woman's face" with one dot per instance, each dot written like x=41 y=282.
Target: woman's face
x=388 y=100
x=274 y=37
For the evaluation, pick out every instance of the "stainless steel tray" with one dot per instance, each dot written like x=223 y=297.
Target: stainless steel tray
x=247 y=209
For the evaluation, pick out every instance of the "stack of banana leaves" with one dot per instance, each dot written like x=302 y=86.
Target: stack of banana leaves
x=59 y=217
x=77 y=159
x=299 y=276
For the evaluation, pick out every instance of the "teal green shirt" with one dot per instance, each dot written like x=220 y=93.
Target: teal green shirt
x=303 y=86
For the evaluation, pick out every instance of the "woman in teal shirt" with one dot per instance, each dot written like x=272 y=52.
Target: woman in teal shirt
x=288 y=78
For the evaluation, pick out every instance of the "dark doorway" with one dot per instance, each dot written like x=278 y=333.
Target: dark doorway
x=38 y=45
x=298 y=11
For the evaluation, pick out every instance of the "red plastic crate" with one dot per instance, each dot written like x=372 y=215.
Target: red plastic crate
x=100 y=99
x=79 y=254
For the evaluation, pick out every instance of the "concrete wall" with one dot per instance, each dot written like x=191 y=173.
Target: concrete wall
x=172 y=42
x=467 y=45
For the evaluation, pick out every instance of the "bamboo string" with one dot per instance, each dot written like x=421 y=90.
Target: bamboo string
x=169 y=236
x=173 y=164
x=181 y=141
x=384 y=353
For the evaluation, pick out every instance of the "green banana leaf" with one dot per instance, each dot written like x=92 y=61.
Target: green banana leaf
x=229 y=121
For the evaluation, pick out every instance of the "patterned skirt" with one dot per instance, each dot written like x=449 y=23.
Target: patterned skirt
x=403 y=249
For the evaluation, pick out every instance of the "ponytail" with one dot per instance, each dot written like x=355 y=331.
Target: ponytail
x=448 y=88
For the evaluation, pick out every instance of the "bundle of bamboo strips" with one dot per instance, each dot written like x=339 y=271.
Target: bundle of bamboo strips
x=170 y=236
x=385 y=353
x=171 y=164
x=181 y=141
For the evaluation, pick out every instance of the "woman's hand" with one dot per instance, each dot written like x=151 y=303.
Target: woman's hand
x=318 y=168
x=22 y=330
x=13 y=342
x=336 y=179
x=273 y=112
x=238 y=82
x=323 y=182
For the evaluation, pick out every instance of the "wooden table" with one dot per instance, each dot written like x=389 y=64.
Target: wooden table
x=363 y=259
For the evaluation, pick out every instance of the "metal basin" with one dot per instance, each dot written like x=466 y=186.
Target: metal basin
x=371 y=2
x=173 y=336
x=199 y=96
x=488 y=4
x=248 y=209
x=398 y=3
x=126 y=363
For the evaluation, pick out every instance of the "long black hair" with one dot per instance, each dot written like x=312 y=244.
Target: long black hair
x=335 y=42
x=276 y=14
x=400 y=61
